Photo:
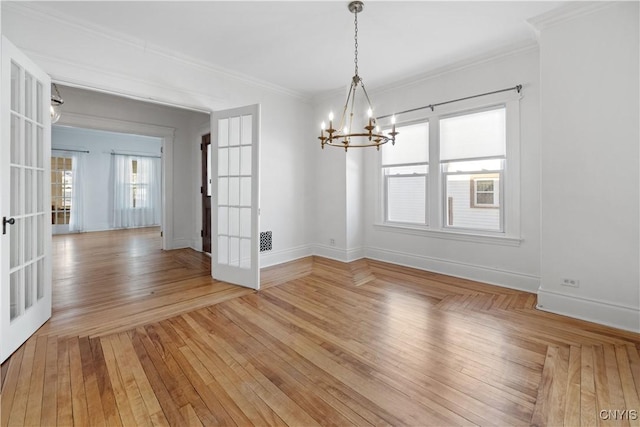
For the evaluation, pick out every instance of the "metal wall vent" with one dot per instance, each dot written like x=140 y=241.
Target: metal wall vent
x=265 y=241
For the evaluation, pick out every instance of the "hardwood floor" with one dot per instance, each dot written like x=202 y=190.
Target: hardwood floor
x=113 y=281
x=141 y=337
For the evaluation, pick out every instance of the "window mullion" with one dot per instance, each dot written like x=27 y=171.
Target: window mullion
x=434 y=187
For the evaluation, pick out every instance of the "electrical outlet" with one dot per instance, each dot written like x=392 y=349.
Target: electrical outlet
x=574 y=283
x=332 y=242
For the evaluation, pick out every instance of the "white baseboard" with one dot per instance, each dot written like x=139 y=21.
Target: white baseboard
x=602 y=312
x=197 y=244
x=504 y=278
x=330 y=252
x=338 y=254
x=270 y=258
x=355 y=254
x=494 y=276
x=181 y=243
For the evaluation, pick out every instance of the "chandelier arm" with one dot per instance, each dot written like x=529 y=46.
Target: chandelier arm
x=346 y=106
x=366 y=95
x=353 y=103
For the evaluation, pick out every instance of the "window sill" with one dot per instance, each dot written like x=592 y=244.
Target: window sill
x=492 y=239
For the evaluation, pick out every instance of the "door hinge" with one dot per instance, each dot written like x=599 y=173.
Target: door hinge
x=201 y=190
x=161 y=150
x=201 y=233
x=162 y=234
x=201 y=147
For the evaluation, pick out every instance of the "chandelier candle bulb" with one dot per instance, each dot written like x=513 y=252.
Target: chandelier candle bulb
x=393 y=130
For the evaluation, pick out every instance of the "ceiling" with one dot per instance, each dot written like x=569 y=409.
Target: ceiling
x=307 y=46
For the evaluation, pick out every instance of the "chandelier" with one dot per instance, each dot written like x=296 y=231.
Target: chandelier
x=56 y=103
x=345 y=135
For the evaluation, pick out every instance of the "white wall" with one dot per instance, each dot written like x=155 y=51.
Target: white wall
x=330 y=189
x=590 y=166
x=357 y=175
x=338 y=228
x=97 y=184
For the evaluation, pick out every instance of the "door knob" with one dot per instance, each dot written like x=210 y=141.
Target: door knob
x=6 y=221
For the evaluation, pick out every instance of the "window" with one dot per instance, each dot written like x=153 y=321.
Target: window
x=484 y=191
x=472 y=153
x=139 y=188
x=405 y=168
x=61 y=190
x=449 y=174
x=136 y=191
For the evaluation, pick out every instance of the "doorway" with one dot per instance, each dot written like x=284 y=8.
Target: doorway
x=103 y=180
x=205 y=190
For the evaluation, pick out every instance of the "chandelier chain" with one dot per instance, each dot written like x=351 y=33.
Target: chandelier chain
x=355 y=37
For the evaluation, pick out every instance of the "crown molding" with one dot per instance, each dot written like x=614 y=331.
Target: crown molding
x=110 y=83
x=568 y=12
x=475 y=61
x=86 y=121
x=49 y=15
x=471 y=62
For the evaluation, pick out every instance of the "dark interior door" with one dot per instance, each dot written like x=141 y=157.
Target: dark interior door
x=205 y=189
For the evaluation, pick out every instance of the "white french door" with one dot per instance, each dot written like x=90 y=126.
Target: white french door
x=25 y=164
x=235 y=136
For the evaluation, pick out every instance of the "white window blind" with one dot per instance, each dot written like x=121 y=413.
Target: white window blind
x=474 y=135
x=407 y=199
x=411 y=147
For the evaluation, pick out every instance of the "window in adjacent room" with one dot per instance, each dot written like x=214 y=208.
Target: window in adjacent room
x=137 y=188
x=61 y=189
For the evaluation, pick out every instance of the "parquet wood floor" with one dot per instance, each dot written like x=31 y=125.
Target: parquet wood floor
x=145 y=337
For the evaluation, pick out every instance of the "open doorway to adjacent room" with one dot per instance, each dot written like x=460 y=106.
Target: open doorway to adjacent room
x=104 y=180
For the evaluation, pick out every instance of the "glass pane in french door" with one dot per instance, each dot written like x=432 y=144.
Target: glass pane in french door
x=27 y=171
x=234 y=191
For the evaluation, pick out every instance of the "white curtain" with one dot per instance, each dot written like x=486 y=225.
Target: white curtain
x=136 y=191
x=76 y=221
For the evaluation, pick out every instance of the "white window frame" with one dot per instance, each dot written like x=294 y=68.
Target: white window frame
x=385 y=178
x=63 y=186
x=495 y=191
x=509 y=179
